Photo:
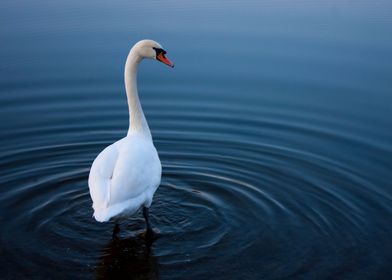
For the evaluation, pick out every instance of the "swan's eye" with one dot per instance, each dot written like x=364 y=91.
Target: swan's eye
x=159 y=51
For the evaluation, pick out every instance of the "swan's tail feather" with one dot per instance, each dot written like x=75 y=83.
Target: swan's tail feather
x=118 y=210
x=101 y=216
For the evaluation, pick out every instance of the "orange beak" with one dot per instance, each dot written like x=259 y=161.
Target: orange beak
x=161 y=57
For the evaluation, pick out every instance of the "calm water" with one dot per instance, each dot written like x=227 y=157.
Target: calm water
x=274 y=131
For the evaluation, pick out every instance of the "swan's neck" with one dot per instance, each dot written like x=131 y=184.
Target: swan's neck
x=137 y=120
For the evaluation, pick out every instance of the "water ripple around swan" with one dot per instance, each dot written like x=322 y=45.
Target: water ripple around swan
x=224 y=193
x=273 y=131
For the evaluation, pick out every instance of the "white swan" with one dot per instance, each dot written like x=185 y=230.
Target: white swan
x=126 y=174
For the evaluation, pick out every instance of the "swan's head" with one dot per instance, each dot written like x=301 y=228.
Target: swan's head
x=153 y=50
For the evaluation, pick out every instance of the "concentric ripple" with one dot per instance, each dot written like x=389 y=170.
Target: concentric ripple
x=274 y=132
x=235 y=198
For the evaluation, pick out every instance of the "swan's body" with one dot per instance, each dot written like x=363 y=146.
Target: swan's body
x=126 y=174
x=124 y=177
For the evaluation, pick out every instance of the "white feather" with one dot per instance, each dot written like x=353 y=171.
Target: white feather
x=124 y=177
x=126 y=174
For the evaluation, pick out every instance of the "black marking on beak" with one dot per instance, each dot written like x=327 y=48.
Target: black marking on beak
x=159 y=51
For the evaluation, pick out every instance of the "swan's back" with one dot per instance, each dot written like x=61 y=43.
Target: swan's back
x=124 y=177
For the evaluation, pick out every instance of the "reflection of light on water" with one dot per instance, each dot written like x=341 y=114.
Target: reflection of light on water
x=129 y=258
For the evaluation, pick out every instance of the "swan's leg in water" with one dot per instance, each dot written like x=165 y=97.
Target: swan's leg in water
x=116 y=230
x=145 y=214
x=149 y=235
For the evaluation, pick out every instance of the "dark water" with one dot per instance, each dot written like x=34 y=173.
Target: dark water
x=274 y=132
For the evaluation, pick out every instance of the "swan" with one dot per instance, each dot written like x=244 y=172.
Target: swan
x=125 y=175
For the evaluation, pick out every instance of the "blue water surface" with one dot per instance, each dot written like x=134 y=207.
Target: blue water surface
x=274 y=131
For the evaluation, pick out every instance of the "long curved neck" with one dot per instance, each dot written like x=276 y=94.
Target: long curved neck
x=137 y=120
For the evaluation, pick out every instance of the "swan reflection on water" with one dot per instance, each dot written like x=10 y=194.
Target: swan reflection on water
x=128 y=258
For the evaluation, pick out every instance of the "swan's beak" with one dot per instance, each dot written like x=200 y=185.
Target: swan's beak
x=161 y=57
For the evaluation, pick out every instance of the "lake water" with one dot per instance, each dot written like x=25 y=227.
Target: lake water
x=274 y=131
